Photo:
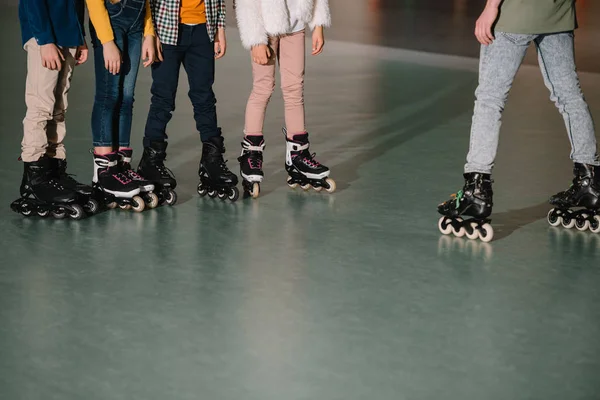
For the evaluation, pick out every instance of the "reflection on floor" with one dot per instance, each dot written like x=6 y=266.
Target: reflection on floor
x=302 y=295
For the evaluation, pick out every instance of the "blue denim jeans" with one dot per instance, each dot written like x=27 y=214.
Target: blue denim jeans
x=196 y=52
x=113 y=104
x=498 y=65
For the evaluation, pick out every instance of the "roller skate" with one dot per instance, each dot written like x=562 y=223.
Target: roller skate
x=84 y=192
x=251 y=161
x=112 y=187
x=474 y=200
x=146 y=187
x=152 y=167
x=43 y=195
x=583 y=193
x=216 y=179
x=302 y=168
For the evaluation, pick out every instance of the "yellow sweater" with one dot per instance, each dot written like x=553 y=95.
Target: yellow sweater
x=101 y=20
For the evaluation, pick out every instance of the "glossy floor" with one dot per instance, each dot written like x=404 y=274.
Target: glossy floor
x=299 y=295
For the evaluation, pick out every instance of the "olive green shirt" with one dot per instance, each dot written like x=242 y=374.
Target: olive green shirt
x=537 y=16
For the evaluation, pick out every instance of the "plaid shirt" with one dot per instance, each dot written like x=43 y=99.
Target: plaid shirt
x=165 y=14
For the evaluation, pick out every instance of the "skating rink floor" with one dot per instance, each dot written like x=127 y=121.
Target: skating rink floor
x=295 y=295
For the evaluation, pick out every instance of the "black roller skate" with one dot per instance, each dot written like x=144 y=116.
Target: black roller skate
x=112 y=187
x=251 y=161
x=146 y=187
x=474 y=200
x=583 y=193
x=85 y=192
x=43 y=195
x=152 y=167
x=302 y=168
x=216 y=179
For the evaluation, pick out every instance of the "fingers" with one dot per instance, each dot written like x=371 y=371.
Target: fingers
x=268 y=54
x=483 y=33
x=317 y=47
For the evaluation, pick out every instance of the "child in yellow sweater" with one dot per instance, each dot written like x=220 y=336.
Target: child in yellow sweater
x=122 y=35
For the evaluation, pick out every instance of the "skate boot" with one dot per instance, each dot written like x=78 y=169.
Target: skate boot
x=152 y=167
x=216 y=179
x=474 y=200
x=584 y=193
x=59 y=168
x=43 y=195
x=146 y=187
x=251 y=161
x=112 y=187
x=302 y=168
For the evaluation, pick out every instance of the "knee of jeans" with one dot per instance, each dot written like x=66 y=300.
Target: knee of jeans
x=107 y=100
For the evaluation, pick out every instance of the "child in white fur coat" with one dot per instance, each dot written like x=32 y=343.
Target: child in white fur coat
x=274 y=30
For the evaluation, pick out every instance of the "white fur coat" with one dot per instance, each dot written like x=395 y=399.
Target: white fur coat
x=259 y=19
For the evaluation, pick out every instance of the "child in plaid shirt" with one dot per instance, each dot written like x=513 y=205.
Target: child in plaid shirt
x=189 y=33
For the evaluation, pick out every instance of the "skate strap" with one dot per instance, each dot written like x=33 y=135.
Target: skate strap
x=298 y=147
x=105 y=163
x=253 y=148
x=127 y=160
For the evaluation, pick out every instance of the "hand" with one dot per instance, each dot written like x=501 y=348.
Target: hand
x=483 y=27
x=52 y=57
x=220 y=43
x=318 y=41
x=81 y=55
x=148 y=51
x=112 y=57
x=261 y=54
x=159 y=49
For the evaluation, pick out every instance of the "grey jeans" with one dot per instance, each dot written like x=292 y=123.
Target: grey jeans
x=498 y=65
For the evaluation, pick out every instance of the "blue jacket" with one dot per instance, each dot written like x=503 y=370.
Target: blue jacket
x=52 y=21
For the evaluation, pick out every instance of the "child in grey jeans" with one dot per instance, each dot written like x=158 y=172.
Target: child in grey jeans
x=549 y=25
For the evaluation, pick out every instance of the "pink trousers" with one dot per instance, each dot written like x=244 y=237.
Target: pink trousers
x=289 y=50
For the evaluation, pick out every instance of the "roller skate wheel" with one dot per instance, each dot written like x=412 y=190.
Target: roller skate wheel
x=568 y=222
x=318 y=188
x=305 y=187
x=554 y=219
x=444 y=225
x=26 y=211
x=222 y=196
x=582 y=223
x=460 y=232
x=332 y=185
x=234 y=194
x=212 y=194
x=43 y=214
x=91 y=206
x=76 y=212
x=201 y=190
x=595 y=226
x=255 y=192
x=487 y=233
x=171 y=198
x=125 y=207
x=59 y=214
x=474 y=234
x=152 y=200
x=112 y=205
x=290 y=182
x=137 y=204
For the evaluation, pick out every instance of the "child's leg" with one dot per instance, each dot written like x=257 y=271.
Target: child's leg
x=132 y=55
x=107 y=99
x=199 y=63
x=557 y=63
x=262 y=89
x=56 y=128
x=292 y=62
x=498 y=65
x=39 y=98
x=165 y=78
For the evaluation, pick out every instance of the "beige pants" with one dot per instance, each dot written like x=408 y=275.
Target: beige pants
x=290 y=51
x=46 y=91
